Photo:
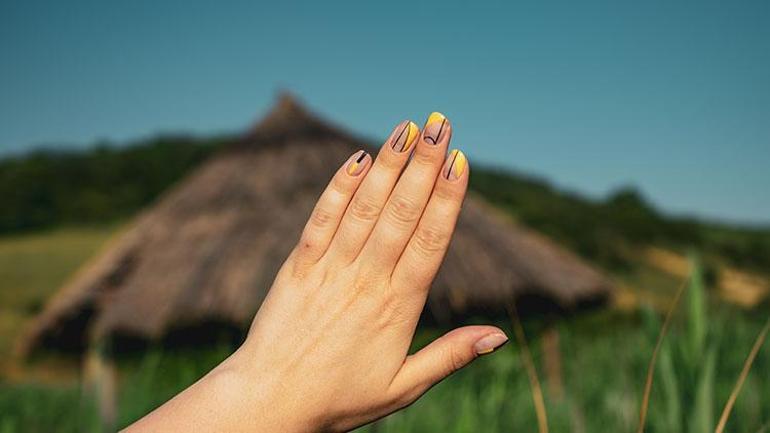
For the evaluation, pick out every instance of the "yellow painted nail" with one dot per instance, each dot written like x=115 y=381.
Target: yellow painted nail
x=434 y=127
x=413 y=131
x=405 y=138
x=435 y=117
x=455 y=165
x=357 y=163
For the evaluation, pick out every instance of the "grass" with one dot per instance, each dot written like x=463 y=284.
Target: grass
x=605 y=358
x=758 y=343
x=689 y=364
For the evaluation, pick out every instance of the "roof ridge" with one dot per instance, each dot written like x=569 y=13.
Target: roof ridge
x=287 y=120
x=289 y=117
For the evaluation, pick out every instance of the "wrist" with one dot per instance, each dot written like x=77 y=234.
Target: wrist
x=258 y=399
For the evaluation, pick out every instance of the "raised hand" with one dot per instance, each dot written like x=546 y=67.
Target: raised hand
x=328 y=349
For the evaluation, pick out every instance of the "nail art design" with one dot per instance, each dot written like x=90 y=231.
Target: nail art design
x=358 y=163
x=489 y=343
x=405 y=138
x=434 y=127
x=455 y=165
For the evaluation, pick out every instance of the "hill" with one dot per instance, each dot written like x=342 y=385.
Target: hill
x=98 y=185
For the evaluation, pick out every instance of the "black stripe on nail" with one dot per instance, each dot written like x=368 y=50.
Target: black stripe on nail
x=441 y=128
x=361 y=158
x=395 y=142
x=443 y=122
x=406 y=140
x=449 y=169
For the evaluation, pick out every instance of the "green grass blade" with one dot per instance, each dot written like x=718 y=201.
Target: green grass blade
x=702 y=417
x=696 y=317
x=670 y=385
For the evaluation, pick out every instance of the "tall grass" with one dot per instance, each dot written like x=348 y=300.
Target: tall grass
x=529 y=365
x=688 y=365
x=604 y=354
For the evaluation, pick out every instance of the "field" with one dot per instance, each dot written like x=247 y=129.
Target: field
x=33 y=266
x=603 y=357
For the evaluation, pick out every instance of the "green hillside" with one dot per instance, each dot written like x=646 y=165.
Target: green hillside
x=46 y=189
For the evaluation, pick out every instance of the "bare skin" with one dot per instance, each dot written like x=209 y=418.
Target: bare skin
x=328 y=349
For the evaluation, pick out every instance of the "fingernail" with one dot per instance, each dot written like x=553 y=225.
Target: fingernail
x=489 y=343
x=357 y=163
x=434 y=127
x=403 y=140
x=455 y=164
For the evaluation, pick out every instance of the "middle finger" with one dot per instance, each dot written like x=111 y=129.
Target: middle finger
x=407 y=202
x=366 y=205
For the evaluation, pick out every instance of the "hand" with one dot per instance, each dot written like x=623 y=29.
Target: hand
x=328 y=349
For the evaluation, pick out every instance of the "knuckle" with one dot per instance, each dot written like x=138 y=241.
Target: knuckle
x=364 y=209
x=445 y=191
x=404 y=210
x=341 y=185
x=363 y=283
x=321 y=217
x=390 y=161
x=392 y=312
x=454 y=360
x=430 y=240
x=424 y=156
x=360 y=286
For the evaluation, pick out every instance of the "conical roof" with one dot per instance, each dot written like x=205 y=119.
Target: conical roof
x=210 y=247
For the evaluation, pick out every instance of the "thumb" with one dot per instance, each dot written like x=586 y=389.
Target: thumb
x=442 y=357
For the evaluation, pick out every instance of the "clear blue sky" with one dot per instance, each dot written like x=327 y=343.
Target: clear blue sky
x=672 y=97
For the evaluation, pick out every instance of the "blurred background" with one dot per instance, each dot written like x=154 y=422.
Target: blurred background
x=619 y=151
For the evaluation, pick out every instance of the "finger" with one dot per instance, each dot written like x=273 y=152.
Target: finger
x=371 y=196
x=425 y=251
x=443 y=357
x=408 y=199
x=326 y=216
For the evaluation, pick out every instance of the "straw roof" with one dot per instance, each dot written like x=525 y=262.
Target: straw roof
x=210 y=247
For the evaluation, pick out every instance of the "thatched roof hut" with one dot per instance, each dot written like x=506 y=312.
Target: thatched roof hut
x=208 y=250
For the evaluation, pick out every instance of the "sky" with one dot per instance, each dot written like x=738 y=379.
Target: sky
x=671 y=97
